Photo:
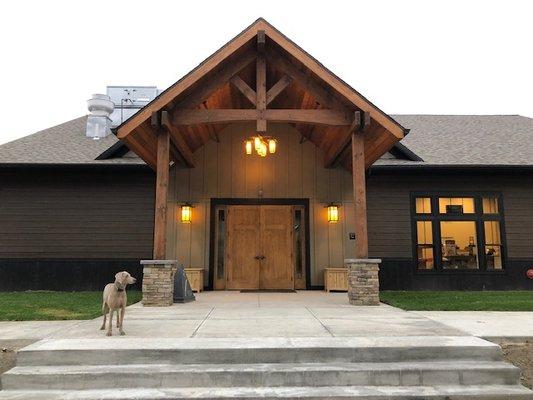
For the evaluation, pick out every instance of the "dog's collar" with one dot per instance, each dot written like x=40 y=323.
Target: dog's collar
x=118 y=289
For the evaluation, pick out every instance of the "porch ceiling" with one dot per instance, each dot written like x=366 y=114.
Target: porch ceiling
x=294 y=81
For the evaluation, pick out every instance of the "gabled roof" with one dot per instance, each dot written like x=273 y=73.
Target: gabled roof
x=196 y=90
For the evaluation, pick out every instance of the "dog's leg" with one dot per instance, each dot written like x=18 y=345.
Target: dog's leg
x=122 y=313
x=118 y=320
x=109 y=333
x=104 y=313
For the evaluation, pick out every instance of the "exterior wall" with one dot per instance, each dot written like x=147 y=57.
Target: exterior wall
x=68 y=229
x=390 y=238
x=294 y=171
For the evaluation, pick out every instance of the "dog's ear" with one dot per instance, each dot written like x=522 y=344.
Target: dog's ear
x=121 y=276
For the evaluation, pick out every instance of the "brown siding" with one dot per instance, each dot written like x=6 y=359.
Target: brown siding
x=61 y=214
x=389 y=217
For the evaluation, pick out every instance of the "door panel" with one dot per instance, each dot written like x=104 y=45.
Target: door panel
x=244 y=245
x=277 y=268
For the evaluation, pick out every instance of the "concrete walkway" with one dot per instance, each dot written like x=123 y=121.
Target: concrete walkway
x=301 y=314
x=491 y=325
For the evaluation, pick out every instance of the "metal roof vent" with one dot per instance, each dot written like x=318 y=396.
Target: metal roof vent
x=98 y=122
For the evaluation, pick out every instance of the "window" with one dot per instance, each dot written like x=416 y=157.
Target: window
x=458 y=233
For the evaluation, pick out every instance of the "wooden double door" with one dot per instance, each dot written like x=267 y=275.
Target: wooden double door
x=259 y=251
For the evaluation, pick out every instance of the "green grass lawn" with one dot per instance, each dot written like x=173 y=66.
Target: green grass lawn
x=520 y=300
x=43 y=305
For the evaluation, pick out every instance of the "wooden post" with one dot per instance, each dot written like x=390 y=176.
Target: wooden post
x=161 y=190
x=359 y=189
x=260 y=90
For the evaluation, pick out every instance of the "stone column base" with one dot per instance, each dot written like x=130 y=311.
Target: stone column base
x=158 y=282
x=363 y=281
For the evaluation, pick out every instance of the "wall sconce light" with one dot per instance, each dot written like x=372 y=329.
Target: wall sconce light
x=333 y=212
x=186 y=213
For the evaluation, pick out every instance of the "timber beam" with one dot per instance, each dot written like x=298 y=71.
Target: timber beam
x=218 y=116
x=360 y=123
x=177 y=140
x=278 y=87
x=243 y=87
x=261 y=92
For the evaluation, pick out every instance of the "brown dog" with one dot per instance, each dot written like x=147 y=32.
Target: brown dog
x=115 y=299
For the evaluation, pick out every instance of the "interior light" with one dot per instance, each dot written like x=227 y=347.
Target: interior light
x=248 y=147
x=271 y=146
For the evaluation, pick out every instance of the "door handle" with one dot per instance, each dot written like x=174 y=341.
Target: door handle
x=259 y=257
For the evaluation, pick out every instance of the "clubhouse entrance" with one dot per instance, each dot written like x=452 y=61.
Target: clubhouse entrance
x=259 y=246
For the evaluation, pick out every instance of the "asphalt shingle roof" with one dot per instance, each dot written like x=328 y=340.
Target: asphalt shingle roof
x=437 y=139
x=62 y=144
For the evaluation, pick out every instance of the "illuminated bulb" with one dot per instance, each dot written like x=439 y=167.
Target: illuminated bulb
x=248 y=147
x=333 y=213
x=257 y=143
x=262 y=150
x=271 y=146
x=186 y=214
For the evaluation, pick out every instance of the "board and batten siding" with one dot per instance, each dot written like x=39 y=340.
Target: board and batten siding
x=222 y=170
x=76 y=214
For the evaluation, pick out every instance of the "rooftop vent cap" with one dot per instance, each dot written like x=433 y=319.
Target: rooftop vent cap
x=99 y=121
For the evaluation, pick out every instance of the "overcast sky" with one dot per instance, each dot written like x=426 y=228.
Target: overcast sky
x=408 y=57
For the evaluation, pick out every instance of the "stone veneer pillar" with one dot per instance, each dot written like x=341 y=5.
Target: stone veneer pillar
x=158 y=282
x=363 y=281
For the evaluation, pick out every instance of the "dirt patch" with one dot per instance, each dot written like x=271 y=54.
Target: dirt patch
x=521 y=355
x=8 y=356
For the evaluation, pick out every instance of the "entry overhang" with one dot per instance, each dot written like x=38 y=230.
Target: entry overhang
x=284 y=84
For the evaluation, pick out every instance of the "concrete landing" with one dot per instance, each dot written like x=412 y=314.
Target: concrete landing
x=252 y=315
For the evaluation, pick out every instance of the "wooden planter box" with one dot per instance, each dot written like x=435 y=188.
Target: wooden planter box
x=195 y=276
x=336 y=279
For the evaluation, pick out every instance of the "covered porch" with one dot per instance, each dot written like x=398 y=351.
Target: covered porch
x=195 y=136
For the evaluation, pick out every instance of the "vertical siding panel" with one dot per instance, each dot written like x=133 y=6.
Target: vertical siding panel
x=346 y=185
x=197 y=175
x=253 y=176
x=348 y=210
x=295 y=164
x=312 y=250
x=281 y=178
x=210 y=169
x=335 y=234
x=335 y=185
x=308 y=169
x=182 y=184
x=183 y=253
x=238 y=163
x=322 y=178
x=224 y=164
x=321 y=243
x=198 y=236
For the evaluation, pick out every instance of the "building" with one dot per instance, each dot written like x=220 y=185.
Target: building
x=444 y=203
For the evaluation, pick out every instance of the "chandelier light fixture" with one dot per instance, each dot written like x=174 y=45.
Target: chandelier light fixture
x=262 y=145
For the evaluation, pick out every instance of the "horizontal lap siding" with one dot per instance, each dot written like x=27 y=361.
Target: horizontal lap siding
x=389 y=215
x=65 y=214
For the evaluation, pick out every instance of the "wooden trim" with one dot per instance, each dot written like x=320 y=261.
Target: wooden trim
x=325 y=98
x=359 y=188
x=359 y=124
x=243 y=87
x=332 y=80
x=217 y=116
x=261 y=90
x=177 y=140
x=161 y=192
x=278 y=87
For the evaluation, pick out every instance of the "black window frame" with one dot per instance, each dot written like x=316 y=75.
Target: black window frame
x=478 y=217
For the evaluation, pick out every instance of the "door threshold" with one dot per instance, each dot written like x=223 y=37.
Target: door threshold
x=268 y=291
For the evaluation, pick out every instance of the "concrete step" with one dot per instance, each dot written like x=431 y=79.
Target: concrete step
x=261 y=375
x=484 y=392
x=108 y=351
